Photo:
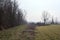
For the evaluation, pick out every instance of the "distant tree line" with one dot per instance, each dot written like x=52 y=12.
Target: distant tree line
x=10 y=14
x=47 y=19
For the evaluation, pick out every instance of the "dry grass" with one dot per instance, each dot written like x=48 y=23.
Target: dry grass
x=51 y=32
x=12 y=33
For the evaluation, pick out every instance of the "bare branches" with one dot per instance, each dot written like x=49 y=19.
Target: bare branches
x=45 y=16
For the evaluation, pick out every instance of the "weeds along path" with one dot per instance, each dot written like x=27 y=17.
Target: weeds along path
x=14 y=33
x=29 y=33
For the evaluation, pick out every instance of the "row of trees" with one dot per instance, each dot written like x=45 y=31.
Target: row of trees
x=48 y=19
x=10 y=14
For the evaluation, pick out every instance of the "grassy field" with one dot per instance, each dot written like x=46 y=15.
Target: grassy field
x=51 y=32
x=14 y=33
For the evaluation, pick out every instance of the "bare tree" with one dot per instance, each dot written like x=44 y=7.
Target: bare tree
x=56 y=21
x=52 y=20
x=45 y=17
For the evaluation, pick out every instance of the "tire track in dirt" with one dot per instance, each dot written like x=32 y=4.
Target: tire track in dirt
x=29 y=33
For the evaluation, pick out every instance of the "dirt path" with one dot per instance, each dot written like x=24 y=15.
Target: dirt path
x=29 y=33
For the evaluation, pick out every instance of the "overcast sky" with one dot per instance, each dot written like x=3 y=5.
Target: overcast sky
x=34 y=8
